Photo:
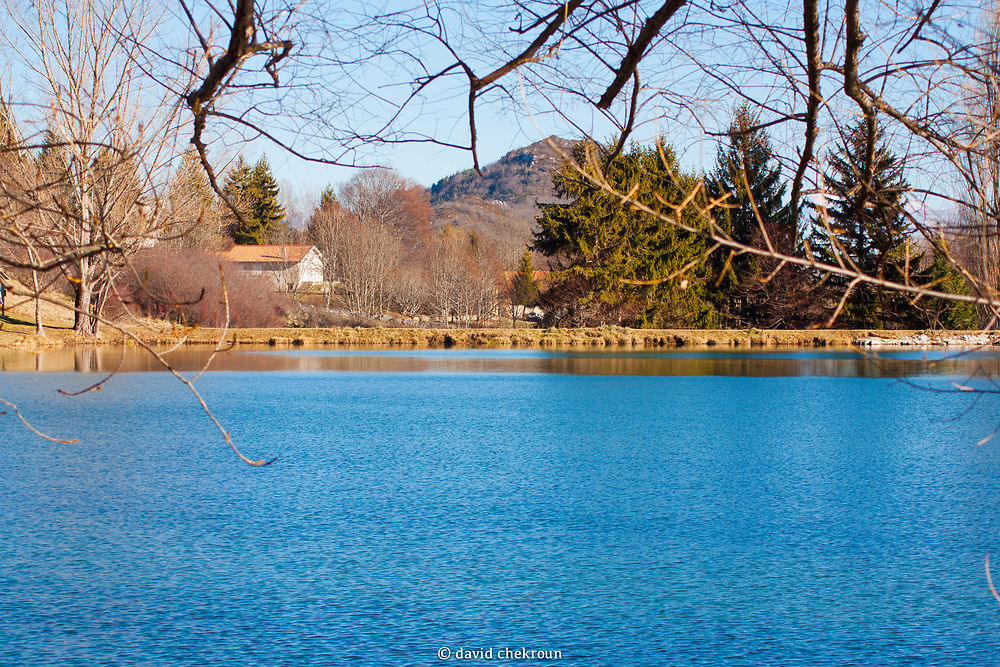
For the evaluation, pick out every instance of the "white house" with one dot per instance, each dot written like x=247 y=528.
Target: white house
x=291 y=267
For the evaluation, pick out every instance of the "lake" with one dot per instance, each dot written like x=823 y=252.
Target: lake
x=683 y=507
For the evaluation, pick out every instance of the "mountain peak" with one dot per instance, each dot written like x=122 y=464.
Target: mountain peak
x=521 y=176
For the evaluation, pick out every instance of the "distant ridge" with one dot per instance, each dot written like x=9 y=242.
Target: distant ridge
x=500 y=203
x=520 y=176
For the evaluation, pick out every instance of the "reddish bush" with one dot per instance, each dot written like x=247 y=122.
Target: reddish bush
x=184 y=285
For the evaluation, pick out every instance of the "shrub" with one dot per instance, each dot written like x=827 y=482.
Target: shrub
x=184 y=285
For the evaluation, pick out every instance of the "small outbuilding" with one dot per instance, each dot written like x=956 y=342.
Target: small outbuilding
x=291 y=267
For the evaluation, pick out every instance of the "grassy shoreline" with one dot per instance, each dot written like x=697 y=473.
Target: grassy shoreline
x=17 y=335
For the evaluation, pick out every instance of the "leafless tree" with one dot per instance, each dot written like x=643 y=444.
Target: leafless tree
x=360 y=253
x=979 y=217
x=192 y=215
x=19 y=240
x=447 y=270
x=109 y=138
x=382 y=197
x=410 y=291
x=465 y=277
x=486 y=279
x=325 y=231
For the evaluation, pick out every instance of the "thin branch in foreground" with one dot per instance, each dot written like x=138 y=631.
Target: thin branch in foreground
x=167 y=367
x=989 y=578
x=33 y=429
x=97 y=386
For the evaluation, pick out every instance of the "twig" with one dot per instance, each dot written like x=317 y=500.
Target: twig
x=100 y=383
x=989 y=578
x=33 y=429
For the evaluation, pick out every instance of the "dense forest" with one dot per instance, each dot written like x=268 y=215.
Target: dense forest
x=621 y=263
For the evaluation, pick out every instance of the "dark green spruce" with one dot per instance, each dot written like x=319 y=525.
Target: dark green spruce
x=748 y=181
x=255 y=191
x=865 y=223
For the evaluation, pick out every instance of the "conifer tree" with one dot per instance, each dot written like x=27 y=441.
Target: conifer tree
x=193 y=213
x=328 y=196
x=938 y=313
x=255 y=192
x=619 y=264
x=238 y=189
x=15 y=163
x=52 y=156
x=866 y=223
x=267 y=210
x=748 y=180
x=524 y=287
x=9 y=135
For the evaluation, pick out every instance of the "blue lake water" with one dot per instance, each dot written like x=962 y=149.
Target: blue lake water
x=640 y=509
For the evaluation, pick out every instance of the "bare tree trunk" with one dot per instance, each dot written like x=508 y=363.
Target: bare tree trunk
x=82 y=302
x=984 y=164
x=39 y=331
x=100 y=300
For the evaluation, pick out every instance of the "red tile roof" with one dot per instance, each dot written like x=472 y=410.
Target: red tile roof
x=266 y=253
x=540 y=277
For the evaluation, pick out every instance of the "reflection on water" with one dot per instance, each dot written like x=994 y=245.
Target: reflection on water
x=674 y=363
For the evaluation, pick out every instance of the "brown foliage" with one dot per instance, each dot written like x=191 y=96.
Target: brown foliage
x=383 y=197
x=184 y=285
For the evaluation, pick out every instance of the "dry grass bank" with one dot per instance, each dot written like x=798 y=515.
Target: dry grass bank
x=603 y=337
x=17 y=330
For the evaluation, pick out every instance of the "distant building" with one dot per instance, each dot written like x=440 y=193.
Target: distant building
x=291 y=267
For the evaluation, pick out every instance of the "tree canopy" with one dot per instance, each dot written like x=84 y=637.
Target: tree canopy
x=748 y=182
x=624 y=265
x=254 y=191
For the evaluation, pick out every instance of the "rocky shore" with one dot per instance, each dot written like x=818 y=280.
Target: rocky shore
x=946 y=339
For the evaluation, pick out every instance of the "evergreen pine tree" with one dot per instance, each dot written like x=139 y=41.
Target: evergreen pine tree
x=16 y=164
x=238 y=179
x=192 y=179
x=749 y=177
x=941 y=313
x=266 y=209
x=194 y=216
x=9 y=135
x=255 y=191
x=238 y=190
x=53 y=172
x=328 y=196
x=524 y=287
x=52 y=155
x=617 y=261
x=867 y=224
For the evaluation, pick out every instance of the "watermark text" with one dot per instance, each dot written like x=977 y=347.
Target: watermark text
x=460 y=654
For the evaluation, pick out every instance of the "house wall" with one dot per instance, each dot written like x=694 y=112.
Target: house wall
x=275 y=271
x=287 y=274
x=311 y=268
